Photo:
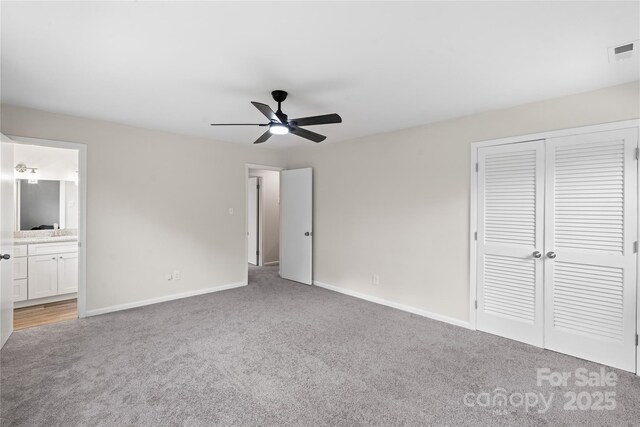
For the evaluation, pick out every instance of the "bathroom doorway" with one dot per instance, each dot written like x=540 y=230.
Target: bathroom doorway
x=48 y=241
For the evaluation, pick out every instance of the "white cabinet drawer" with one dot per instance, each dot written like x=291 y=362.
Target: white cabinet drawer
x=19 y=251
x=19 y=290
x=52 y=248
x=19 y=268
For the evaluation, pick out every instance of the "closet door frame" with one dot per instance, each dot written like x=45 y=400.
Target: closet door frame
x=473 y=217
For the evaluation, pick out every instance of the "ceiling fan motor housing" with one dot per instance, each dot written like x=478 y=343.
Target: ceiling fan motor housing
x=279 y=95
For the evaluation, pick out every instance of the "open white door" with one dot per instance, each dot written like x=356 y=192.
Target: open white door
x=296 y=195
x=6 y=238
x=252 y=221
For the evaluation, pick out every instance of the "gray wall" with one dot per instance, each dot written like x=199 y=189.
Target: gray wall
x=39 y=203
x=396 y=205
x=134 y=190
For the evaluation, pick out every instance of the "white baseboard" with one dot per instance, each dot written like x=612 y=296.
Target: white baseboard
x=407 y=308
x=172 y=297
x=271 y=263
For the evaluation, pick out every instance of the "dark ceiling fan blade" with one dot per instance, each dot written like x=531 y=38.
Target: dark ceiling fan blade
x=315 y=137
x=239 y=124
x=267 y=111
x=318 y=120
x=263 y=137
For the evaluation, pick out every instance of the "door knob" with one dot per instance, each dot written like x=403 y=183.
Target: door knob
x=537 y=254
x=5 y=256
x=307 y=233
x=551 y=254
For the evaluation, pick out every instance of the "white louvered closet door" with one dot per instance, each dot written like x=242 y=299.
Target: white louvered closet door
x=510 y=230
x=590 y=227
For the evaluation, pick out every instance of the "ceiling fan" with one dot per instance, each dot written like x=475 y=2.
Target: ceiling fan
x=279 y=123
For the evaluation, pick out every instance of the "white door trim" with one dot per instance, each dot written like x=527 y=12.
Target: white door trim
x=260 y=229
x=82 y=209
x=248 y=166
x=559 y=132
x=473 y=215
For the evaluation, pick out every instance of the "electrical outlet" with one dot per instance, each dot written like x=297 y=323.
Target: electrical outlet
x=375 y=279
x=230 y=211
x=176 y=275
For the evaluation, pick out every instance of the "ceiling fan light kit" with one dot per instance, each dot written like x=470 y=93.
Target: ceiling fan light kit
x=279 y=123
x=277 y=129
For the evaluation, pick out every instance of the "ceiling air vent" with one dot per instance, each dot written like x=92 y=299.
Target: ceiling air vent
x=624 y=48
x=624 y=51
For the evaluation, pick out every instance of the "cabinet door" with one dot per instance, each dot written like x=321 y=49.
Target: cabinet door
x=67 y=273
x=43 y=276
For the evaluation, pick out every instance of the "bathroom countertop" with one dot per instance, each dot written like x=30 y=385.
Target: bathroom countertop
x=43 y=239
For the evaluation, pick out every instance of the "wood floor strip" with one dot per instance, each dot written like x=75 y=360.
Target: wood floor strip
x=44 y=314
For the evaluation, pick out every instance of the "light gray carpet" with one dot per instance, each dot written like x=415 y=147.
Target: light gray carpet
x=280 y=353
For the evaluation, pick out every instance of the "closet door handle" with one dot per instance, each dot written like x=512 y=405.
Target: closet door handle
x=537 y=254
x=551 y=255
x=5 y=256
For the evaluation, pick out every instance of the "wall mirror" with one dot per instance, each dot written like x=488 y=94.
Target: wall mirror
x=42 y=204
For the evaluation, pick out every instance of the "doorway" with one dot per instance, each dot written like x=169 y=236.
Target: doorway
x=262 y=219
x=48 y=238
x=284 y=212
x=263 y=216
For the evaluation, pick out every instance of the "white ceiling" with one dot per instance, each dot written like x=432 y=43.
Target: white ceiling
x=177 y=66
